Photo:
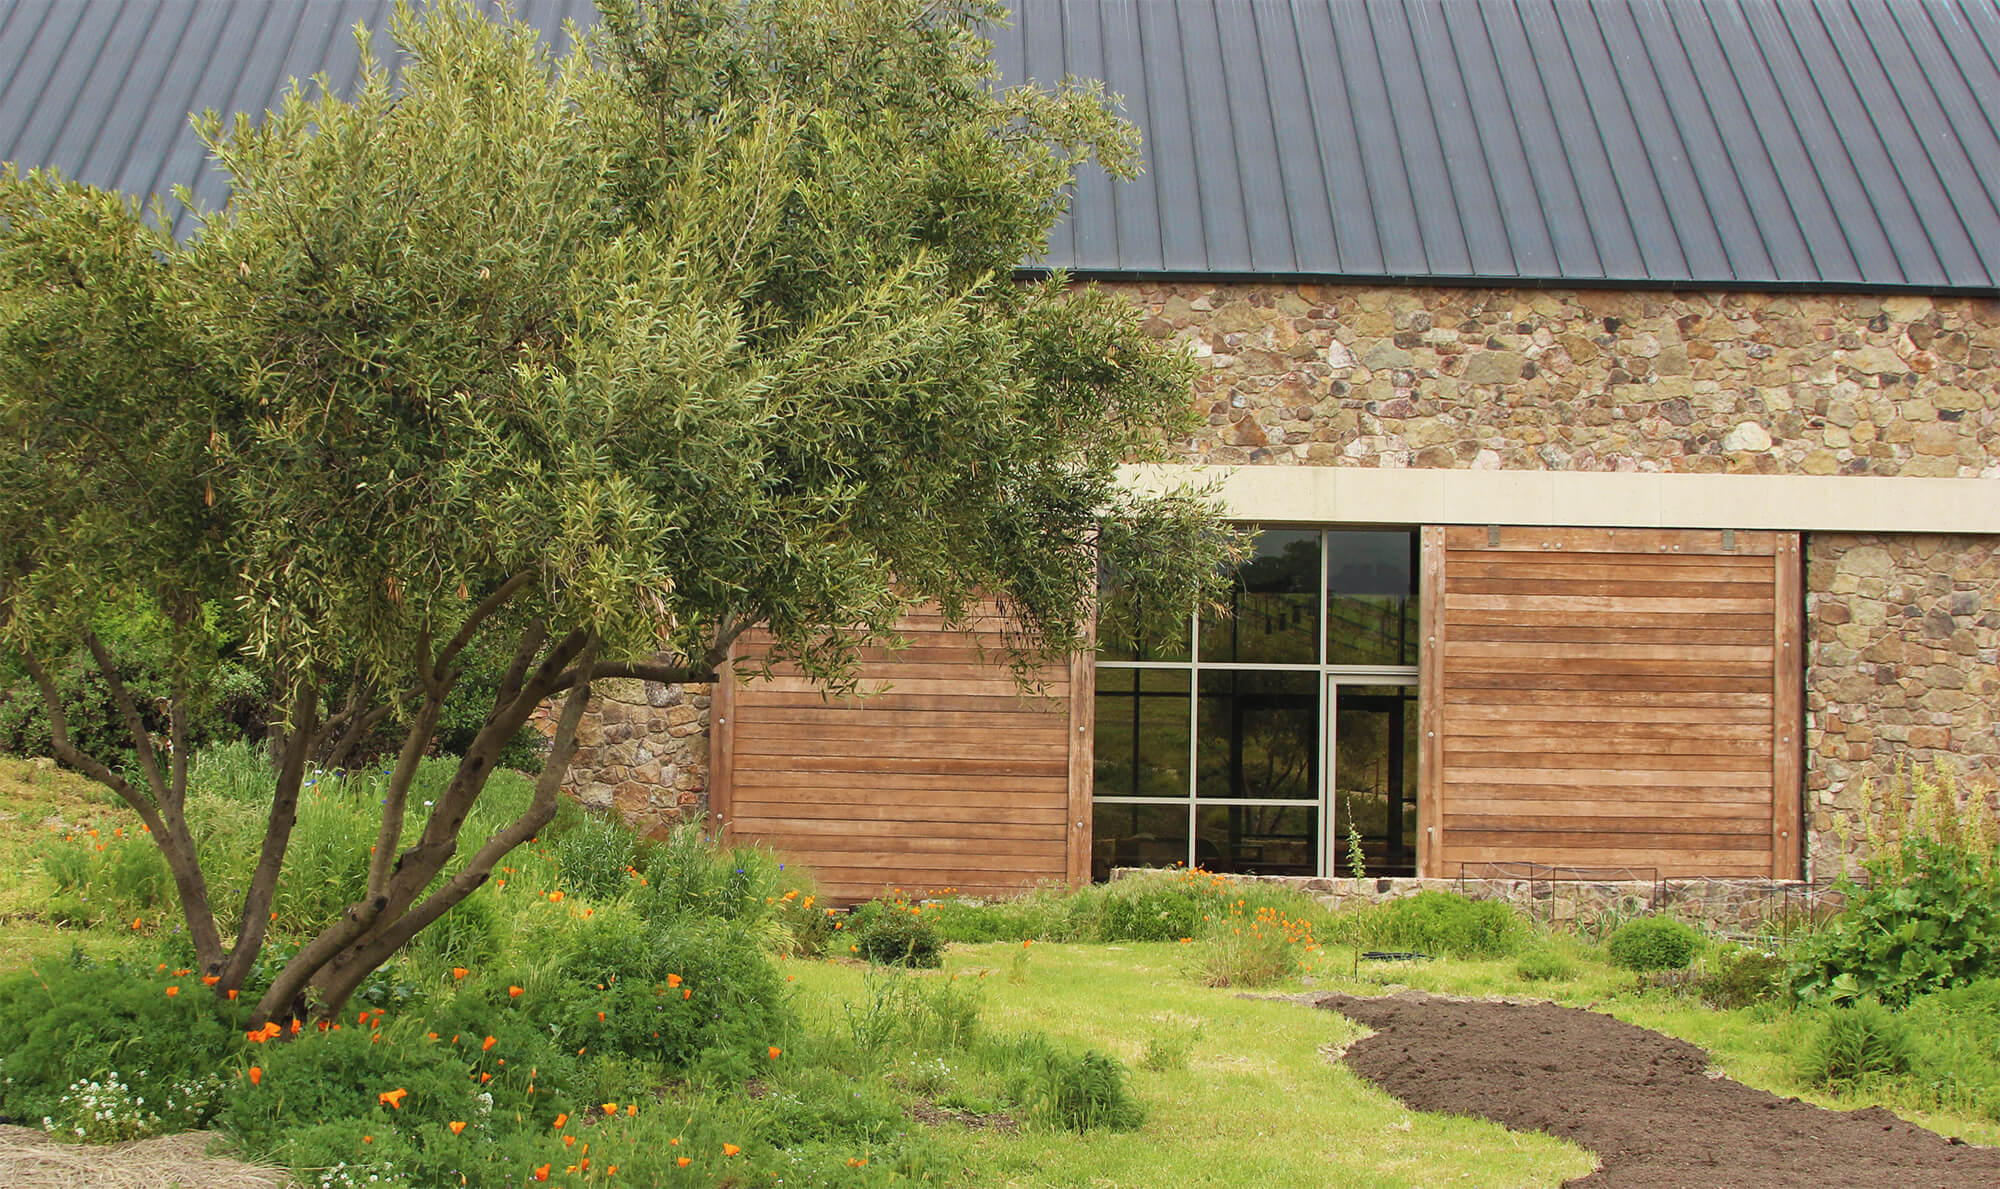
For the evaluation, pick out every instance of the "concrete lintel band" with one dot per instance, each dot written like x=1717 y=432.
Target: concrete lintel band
x=1591 y=499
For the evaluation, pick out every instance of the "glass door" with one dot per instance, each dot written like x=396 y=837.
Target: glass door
x=1372 y=783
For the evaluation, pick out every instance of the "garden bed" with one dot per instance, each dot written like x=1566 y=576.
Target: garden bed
x=1647 y=1105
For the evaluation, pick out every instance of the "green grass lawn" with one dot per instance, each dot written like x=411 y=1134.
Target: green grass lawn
x=1261 y=1101
x=1238 y=1090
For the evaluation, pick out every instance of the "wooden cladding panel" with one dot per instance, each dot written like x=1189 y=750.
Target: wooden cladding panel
x=1612 y=698
x=943 y=775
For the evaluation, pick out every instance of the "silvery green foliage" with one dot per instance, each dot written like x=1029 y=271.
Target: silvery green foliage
x=708 y=323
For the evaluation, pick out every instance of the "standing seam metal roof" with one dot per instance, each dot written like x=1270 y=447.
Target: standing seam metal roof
x=1814 y=144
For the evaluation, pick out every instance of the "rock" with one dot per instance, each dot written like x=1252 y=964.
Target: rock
x=1492 y=367
x=1747 y=435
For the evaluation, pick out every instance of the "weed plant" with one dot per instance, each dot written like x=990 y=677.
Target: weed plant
x=1440 y=924
x=1858 y=1043
x=1929 y=916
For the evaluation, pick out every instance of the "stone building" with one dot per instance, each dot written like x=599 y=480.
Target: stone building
x=1616 y=383
x=1676 y=370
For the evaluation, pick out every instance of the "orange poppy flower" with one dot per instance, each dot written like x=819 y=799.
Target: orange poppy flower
x=631 y=1108
x=561 y=1119
x=600 y=1017
x=367 y=1139
x=486 y=1044
x=173 y=991
x=459 y=972
x=610 y=1108
x=513 y=992
x=555 y=897
x=485 y=1078
x=682 y=1161
x=673 y=980
x=136 y=923
x=392 y=1099
x=611 y=1170
x=256 y=1075
x=569 y=1141
x=730 y=1149
x=542 y=1173
x=687 y=993
x=774 y=1051
x=209 y=980
x=232 y=992
x=455 y=1126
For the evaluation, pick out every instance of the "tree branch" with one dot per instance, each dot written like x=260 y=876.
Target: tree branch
x=284 y=814
x=142 y=743
x=485 y=610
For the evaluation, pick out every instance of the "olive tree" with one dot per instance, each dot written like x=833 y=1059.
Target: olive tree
x=708 y=322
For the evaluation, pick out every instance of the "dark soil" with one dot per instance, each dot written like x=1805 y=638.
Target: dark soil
x=1643 y=1103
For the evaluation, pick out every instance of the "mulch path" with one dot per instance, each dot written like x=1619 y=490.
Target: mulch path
x=1643 y=1103
x=32 y=1160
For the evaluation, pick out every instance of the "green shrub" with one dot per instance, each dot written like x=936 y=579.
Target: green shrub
x=1545 y=964
x=893 y=934
x=1654 y=943
x=1958 y=1035
x=471 y=935
x=1929 y=917
x=1440 y=924
x=1858 y=1043
x=1736 y=978
x=66 y=1024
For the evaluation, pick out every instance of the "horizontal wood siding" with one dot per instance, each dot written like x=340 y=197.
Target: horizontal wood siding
x=943 y=776
x=1613 y=698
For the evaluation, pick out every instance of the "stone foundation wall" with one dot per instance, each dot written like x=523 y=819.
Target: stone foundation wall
x=1587 y=380
x=1902 y=667
x=1732 y=907
x=642 y=750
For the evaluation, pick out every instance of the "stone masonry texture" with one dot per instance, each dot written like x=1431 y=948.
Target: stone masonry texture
x=1903 y=630
x=1588 y=380
x=1902 y=668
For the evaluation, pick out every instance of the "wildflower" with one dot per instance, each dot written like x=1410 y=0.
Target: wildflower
x=774 y=1051
x=232 y=992
x=392 y=1099
x=569 y=1141
x=209 y=980
x=730 y=1149
x=631 y=1108
x=673 y=980
x=485 y=1078
x=486 y=1044
x=458 y=972
x=173 y=991
x=600 y=1017
x=611 y=1170
x=562 y=1119
x=542 y=1173
x=513 y=992
x=610 y=1108
x=367 y=1139
x=555 y=897
x=256 y=1075
x=455 y=1126
x=792 y=895
x=136 y=922
x=687 y=993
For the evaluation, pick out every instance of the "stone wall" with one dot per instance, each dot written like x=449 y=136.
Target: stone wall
x=1588 y=380
x=1902 y=667
x=642 y=750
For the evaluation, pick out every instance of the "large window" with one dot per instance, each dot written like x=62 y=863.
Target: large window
x=1280 y=733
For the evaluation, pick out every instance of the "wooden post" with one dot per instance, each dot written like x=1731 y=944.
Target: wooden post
x=1787 y=711
x=721 y=745
x=1430 y=705
x=1082 y=762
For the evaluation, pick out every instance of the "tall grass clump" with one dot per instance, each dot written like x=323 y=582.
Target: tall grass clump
x=1927 y=915
x=1858 y=1043
x=1440 y=924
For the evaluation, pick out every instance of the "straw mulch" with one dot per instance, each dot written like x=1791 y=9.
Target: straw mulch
x=31 y=1160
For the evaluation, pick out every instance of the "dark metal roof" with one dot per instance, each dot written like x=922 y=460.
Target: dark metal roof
x=1816 y=144
x=1752 y=143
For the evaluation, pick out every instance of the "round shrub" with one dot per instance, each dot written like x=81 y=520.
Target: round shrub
x=1740 y=977
x=1654 y=943
x=893 y=936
